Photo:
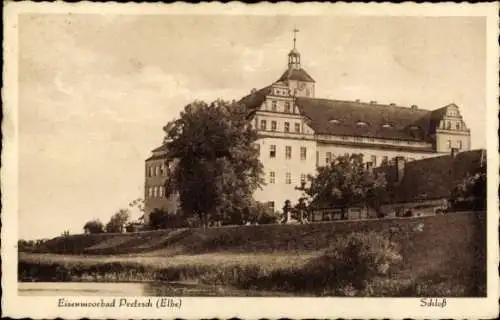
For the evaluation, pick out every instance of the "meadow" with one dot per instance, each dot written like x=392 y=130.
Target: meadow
x=427 y=256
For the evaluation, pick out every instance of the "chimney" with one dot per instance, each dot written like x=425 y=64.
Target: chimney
x=358 y=100
x=373 y=102
x=392 y=104
x=400 y=168
x=454 y=152
x=253 y=91
x=414 y=107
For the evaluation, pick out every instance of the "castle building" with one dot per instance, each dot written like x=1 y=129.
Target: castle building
x=300 y=132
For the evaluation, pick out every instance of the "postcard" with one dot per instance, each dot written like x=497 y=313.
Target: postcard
x=250 y=161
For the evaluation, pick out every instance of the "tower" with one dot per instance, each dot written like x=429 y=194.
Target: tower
x=299 y=82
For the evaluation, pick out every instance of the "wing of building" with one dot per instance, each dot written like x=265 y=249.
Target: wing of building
x=299 y=132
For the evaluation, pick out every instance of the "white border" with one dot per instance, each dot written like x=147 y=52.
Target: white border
x=46 y=307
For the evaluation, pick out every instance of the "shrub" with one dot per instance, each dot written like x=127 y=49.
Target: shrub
x=93 y=226
x=352 y=263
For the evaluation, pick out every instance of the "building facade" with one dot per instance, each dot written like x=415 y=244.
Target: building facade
x=299 y=132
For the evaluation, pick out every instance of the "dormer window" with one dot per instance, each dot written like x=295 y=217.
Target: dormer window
x=361 y=124
x=386 y=125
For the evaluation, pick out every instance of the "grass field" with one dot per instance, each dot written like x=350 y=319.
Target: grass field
x=442 y=255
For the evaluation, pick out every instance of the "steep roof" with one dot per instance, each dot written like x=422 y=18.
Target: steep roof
x=434 y=178
x=163 y=147
x=158 y=153
x=296 y=74
x=338 y=117
x=255 y=99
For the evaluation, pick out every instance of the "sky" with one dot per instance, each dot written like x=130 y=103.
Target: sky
x=96 y=90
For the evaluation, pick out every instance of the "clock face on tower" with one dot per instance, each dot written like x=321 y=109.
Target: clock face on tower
x=301 y=86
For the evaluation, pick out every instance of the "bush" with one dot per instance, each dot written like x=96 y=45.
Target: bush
x=161 y=219
x=93 y=226
x=351 y=264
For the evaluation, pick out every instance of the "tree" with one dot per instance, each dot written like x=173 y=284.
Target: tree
x=216 y=166
x=259 y=213
x=346 y=181
x=471 y=190
x=118 y=221
x=93 y=226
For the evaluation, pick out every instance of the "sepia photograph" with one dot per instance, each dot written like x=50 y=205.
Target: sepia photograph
x=208 y=154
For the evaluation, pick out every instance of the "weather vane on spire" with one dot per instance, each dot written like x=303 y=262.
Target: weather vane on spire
x=295 y=30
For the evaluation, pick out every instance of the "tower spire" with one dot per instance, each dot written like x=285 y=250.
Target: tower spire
x=294 y=55
x=295 y=30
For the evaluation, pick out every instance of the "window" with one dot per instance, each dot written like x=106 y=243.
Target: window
x=273 y=125
x=155 y=192
x=287 y=126
x=263 y=124
x=287 y=107
x=150 y=192
x=157 y=170
x=163 y=169
x=374 y=160
x=303 y=153
x=334 y=121
x=459 y=142
x=272 y=151
x=272 y=177
x=448 y=125
x=411 y=159
x=288 y=152
x=273 y=105
x=328 y=157
x=384 y=160
x=361 y=123
x=458 y=125
x=302 y=178
x=387 y=125
x=162 y=189
x=288 y=178
x=308 y=92
x=297 y=127
x=448 y=143
x=257 y=148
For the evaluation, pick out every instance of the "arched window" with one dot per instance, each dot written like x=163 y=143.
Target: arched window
x=361 y=124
